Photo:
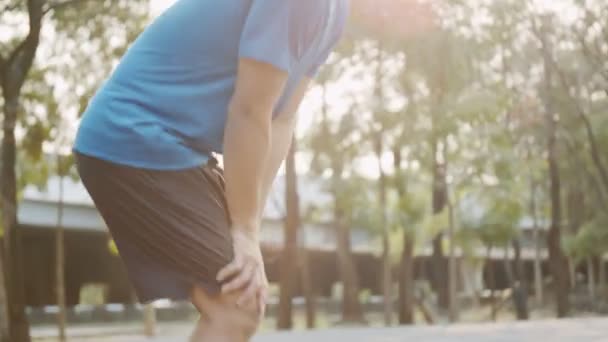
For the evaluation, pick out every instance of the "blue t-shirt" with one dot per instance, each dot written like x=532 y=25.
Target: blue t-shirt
x=165 y=105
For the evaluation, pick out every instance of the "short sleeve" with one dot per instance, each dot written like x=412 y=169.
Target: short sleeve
x=266 y=34
x=335 y=29
x=313 y=70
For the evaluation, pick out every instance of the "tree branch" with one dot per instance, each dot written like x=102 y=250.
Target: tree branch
x=595 y=151
x=60 y=4
x=11 y=7
x=593 y=58
x=575 y=156
x=21 y=59
x=2 y=64
x=591 y=16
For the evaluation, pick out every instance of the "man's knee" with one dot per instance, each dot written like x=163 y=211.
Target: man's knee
x=245 y=319
x=222 y=312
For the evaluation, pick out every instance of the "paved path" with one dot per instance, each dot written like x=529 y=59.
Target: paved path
x=576 y=330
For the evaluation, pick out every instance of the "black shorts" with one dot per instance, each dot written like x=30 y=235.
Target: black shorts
x=171 y=228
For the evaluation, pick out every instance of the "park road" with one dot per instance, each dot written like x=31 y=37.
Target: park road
x=574 y=330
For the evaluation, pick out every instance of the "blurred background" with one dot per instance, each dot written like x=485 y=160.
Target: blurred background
x=450 y=165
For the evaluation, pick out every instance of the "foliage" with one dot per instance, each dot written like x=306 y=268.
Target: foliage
x=591 y=240
x=48 y=47
x=80 y=44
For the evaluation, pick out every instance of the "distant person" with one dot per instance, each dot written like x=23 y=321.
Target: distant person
x=205 y=77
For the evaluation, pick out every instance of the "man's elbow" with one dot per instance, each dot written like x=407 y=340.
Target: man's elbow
x=257 y=116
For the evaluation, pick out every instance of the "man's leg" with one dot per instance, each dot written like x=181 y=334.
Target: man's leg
x=221 y=320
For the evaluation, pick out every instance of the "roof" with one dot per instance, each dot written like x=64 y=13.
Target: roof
x=310 y=194
x=73 y=192
x=40 y=208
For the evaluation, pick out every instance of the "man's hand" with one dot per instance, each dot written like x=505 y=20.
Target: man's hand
x=246 y=272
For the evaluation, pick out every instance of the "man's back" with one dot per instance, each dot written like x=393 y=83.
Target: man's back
x=165 y=105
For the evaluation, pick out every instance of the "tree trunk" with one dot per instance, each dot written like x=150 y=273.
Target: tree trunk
x=351 y=308
x=289 y=255
x=602 y=277
x=377 y=137
x=406 y=282
x=406 y=293
x=304 y=265
x=572 y=272
x=60 y=260
x=13 y=74
x=491 y=281
x=308 y=289
x=452 y=271
x=557 y=260
x=386 y=262
x=508 y=268
x=538 y=270
x=439 y=272
x=591 y=278
x=469 y=276
x=18 y=324
x=520 y=285
x=4 y=331
x=386 y=280
x=150 y=320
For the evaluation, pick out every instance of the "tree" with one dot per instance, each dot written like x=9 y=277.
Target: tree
x=334 y=145
x=490 y=90
x=149 y=320
x=557 y=259
x=499 y=228
x=379 y=130
x=14 y=69
x=4 y=322
x=289 y=258
x=380 y=37
x=411 y=214
x=63 y=165
x=17 y=66
x=410 y=211
x=590 y=241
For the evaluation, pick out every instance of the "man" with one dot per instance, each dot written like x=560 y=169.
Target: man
x=205 y=77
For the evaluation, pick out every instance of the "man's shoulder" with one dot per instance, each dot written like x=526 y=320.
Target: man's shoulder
x=317 y=18
x=319 y=10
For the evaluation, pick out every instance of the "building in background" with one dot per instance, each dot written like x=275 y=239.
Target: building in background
x=92 y=261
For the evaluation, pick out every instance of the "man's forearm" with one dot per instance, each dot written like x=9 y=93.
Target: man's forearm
x=282 y=133
x=247 y=144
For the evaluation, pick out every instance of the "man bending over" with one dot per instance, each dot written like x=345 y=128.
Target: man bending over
x=205 y=77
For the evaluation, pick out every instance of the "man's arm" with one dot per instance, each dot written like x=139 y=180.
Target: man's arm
x=247 y=151
x=282 y=133
x=247 y=140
